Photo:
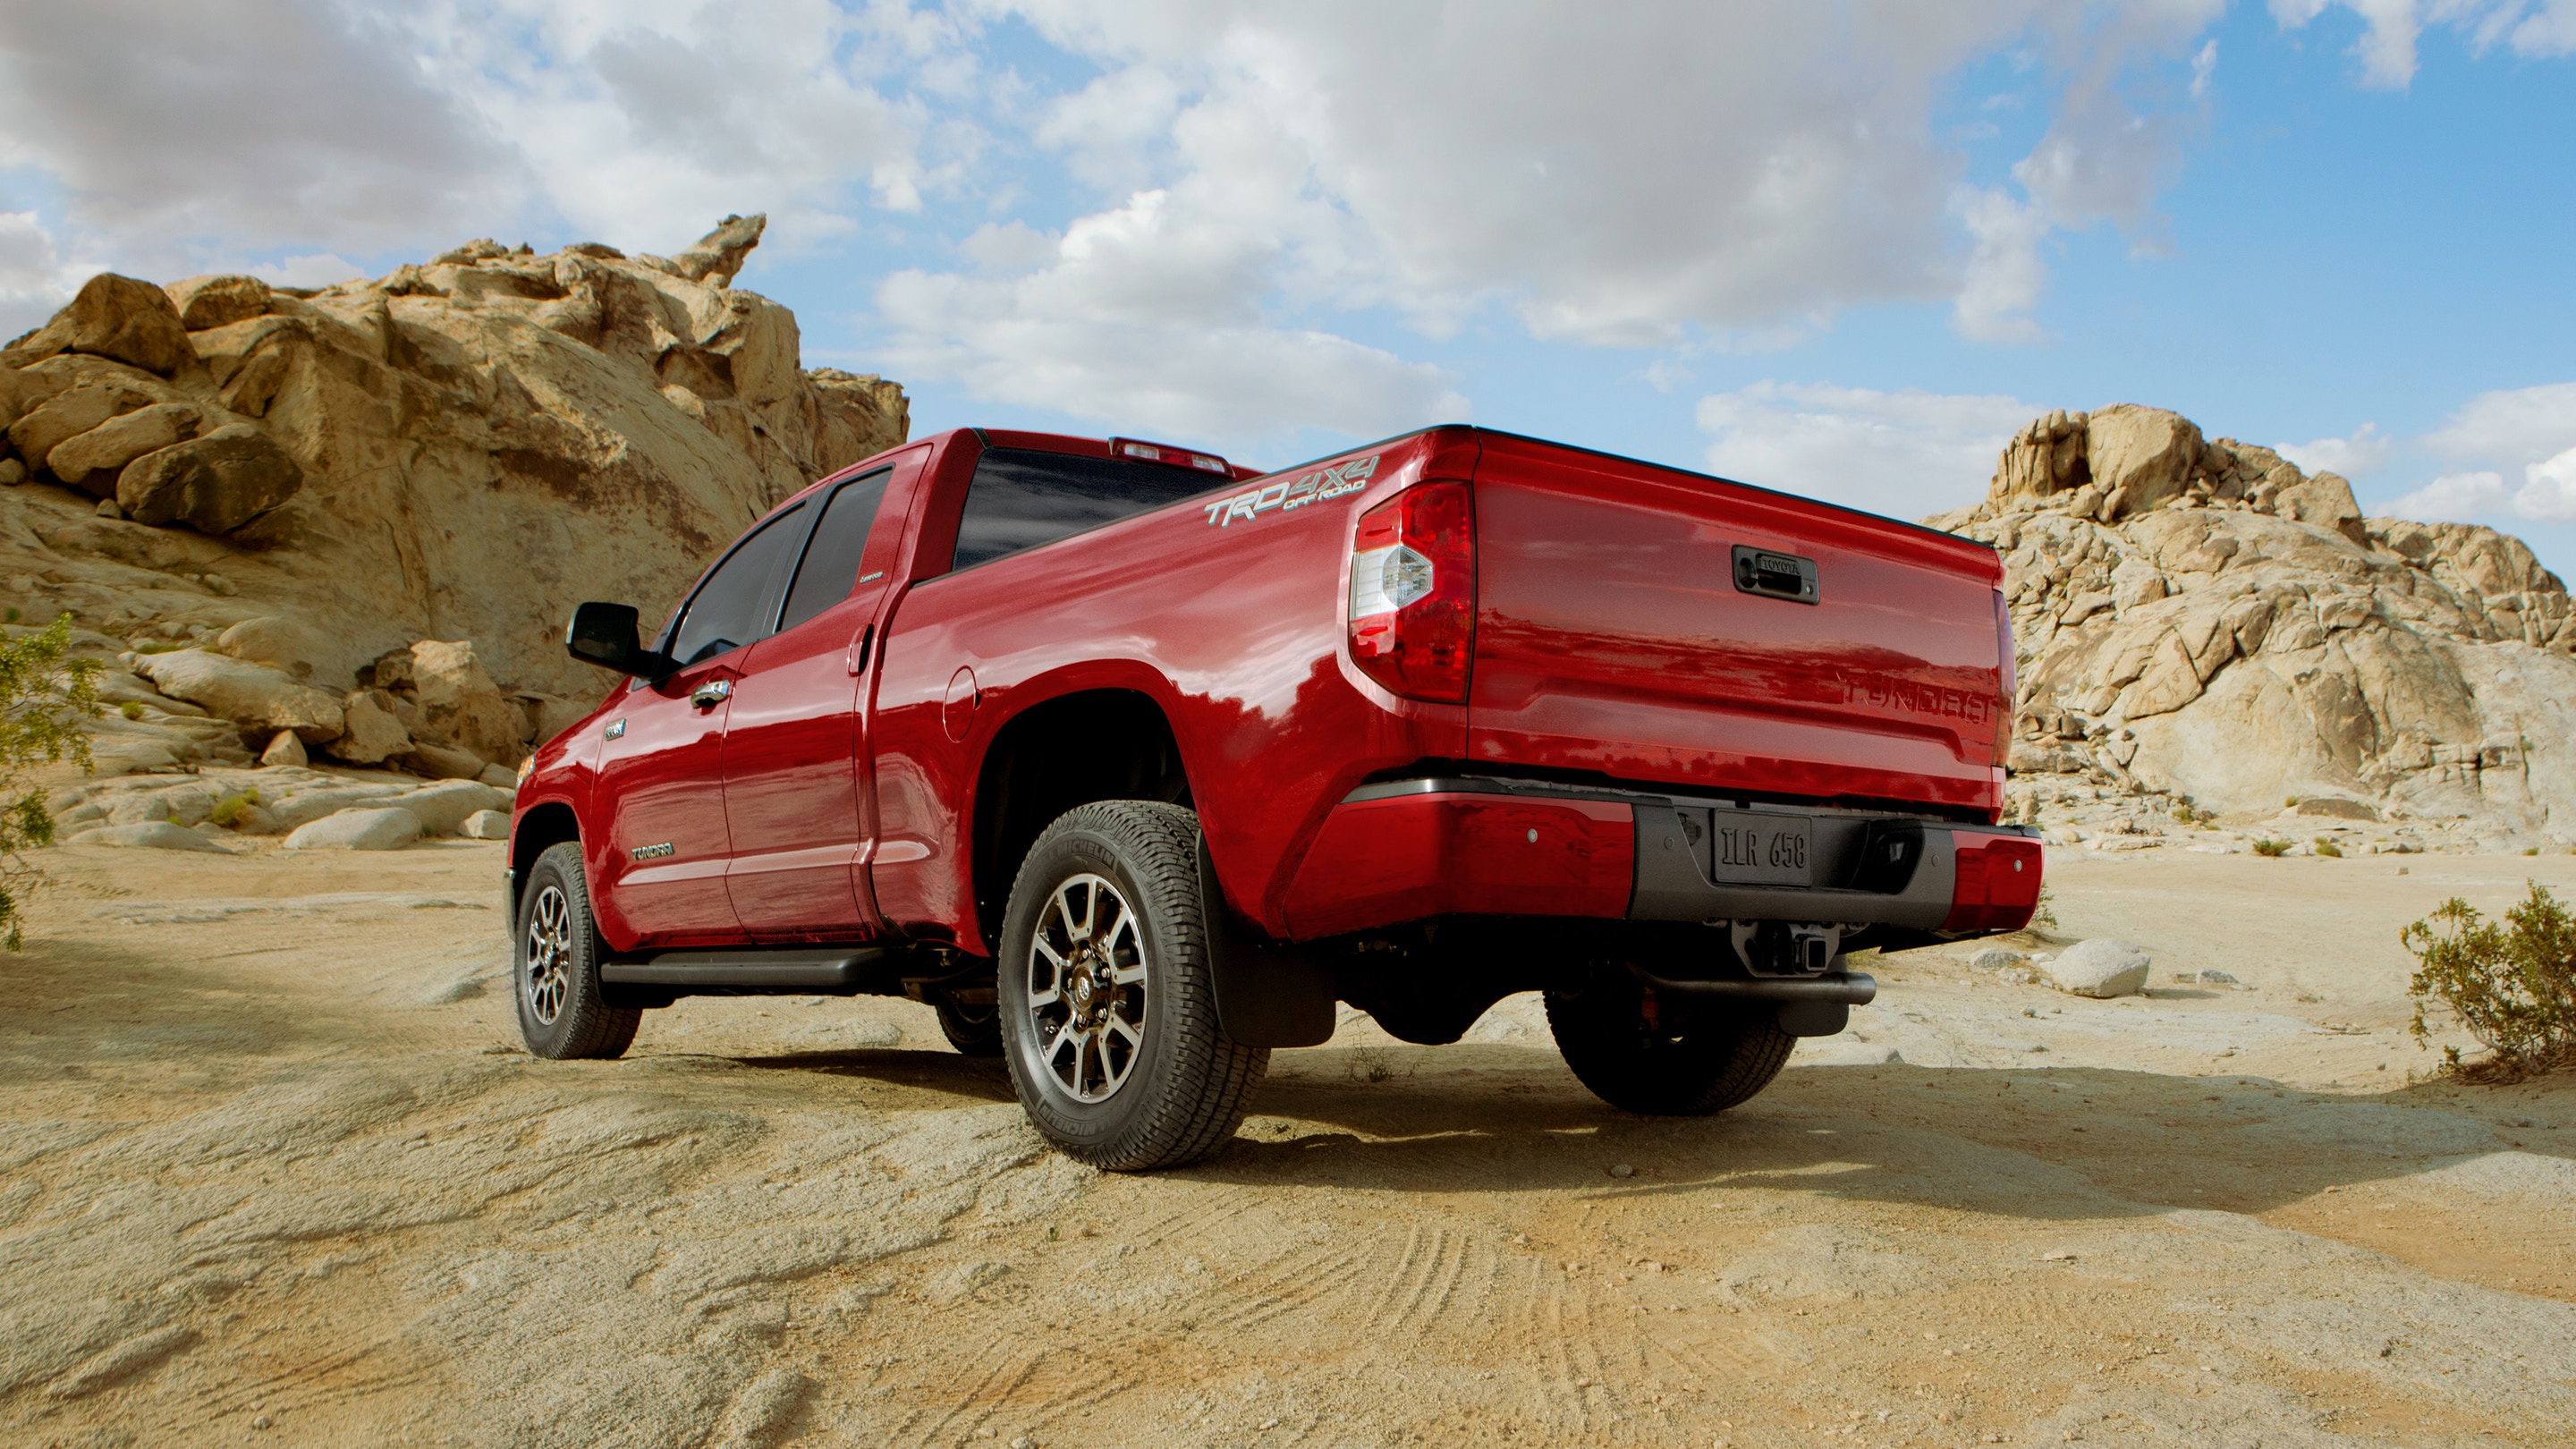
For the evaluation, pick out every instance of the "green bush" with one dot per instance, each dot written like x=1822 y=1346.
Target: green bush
x=2511 y=985
x=131 y=709
x=159 y=646
x=2271 y=847
x=43 y=697
x=228 y=810
x=2324 y=846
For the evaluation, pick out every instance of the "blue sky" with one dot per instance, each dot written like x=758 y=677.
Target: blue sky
x=1840 y=248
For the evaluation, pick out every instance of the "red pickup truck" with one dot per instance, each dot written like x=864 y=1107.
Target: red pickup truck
x=1133 y=763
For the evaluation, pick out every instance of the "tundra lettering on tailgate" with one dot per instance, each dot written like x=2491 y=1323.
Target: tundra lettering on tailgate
x=1908 y=697
x=1314 y=487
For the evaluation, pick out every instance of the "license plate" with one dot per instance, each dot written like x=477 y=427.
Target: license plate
x=1750 y=848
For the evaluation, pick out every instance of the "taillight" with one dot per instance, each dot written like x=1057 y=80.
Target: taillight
x=1413 y=592
x=2005 y=680
x=1997 y=884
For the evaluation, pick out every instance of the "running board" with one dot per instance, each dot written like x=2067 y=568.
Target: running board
x=841 y=970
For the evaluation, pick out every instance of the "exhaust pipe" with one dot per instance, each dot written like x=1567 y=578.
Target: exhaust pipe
x=1838 y=988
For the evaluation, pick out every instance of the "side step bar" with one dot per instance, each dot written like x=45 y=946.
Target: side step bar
x=844 y=971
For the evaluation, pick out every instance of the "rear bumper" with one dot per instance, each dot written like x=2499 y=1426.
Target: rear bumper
x=1416 y=849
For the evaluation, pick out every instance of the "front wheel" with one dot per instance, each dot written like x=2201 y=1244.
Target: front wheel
x=1664 y=1058
x=1108 y=1009
x=562 y=1013
x=973 y=1027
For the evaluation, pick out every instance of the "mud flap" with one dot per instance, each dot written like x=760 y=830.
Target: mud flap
x=1268 y=993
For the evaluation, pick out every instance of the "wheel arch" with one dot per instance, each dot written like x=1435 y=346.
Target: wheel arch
x=1104 y=742
x=540 y=828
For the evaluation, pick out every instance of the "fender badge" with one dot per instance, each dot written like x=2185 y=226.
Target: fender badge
x=1288 y=494
x=616 y=730
x=652 y=852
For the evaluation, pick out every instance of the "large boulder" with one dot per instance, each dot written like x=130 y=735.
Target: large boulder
x=2250 y=636
x=93 y=459
x=443 y=808
x=461 y=706
x=482 y=441
x=113 y=316
x=719 y=255
x=213 y=484
x=253 y=696
x=358 y=828
x=219 y=301
x=370 y=731
x=2101 y=967
x=66 y=415
x=2139 y=457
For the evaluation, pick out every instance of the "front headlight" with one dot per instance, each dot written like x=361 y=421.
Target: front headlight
x=527 y=767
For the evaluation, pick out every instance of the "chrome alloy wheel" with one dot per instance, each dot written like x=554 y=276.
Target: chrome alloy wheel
x=1087 y=988
x=545 y=980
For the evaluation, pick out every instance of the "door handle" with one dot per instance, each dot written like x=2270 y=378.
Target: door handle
x=859 y=649
x=711 y=693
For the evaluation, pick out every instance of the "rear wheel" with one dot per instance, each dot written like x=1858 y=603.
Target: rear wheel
x=1646 y=1053
x=555 y=968
x=1108 y=1009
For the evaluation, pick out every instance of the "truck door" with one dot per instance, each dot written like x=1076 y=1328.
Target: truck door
x=662 y=760
x=796 y=796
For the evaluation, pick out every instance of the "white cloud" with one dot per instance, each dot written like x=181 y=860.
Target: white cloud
x=36 y=279
x=2392 y=28
x=182 y=131
x=2518 y=424
x=1706 y=167
x=2529 y=433
x=2356 y=456
x=1907 y=454
x=2455 y=498
x=261 y=120
x=1147 y=319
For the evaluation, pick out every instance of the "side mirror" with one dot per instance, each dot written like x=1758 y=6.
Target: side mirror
x=605 y=635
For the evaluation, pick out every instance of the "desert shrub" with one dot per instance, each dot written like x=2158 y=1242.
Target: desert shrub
x=2325 y=846
x=43 y=698
x=2511 y=985
x=2531 y=850
x=131 y=709
x=228 y=810
x=2271 y=847
x=159 y=646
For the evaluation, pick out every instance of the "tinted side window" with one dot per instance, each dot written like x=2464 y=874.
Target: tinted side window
x=724 y=614
x=831 y=566
x=1021 y=498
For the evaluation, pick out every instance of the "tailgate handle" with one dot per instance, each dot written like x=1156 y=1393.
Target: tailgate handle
x=1775 y=575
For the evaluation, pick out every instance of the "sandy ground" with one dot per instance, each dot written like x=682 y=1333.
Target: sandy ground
x=273 y=1169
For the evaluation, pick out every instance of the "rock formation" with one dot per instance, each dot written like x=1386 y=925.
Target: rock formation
x=2200 y=620
x=354 y=519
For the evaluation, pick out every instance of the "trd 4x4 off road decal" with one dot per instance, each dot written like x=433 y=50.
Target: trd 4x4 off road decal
x=1314 y=487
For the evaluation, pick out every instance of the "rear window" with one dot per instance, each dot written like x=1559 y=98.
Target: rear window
x=1020 y=498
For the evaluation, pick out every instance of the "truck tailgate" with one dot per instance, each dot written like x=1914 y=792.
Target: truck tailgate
x=1613 y=635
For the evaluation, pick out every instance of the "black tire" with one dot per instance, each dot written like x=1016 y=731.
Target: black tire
x=1167 y=1085
x=975 y=1031
x=1662 y=1058
x=554 y=966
